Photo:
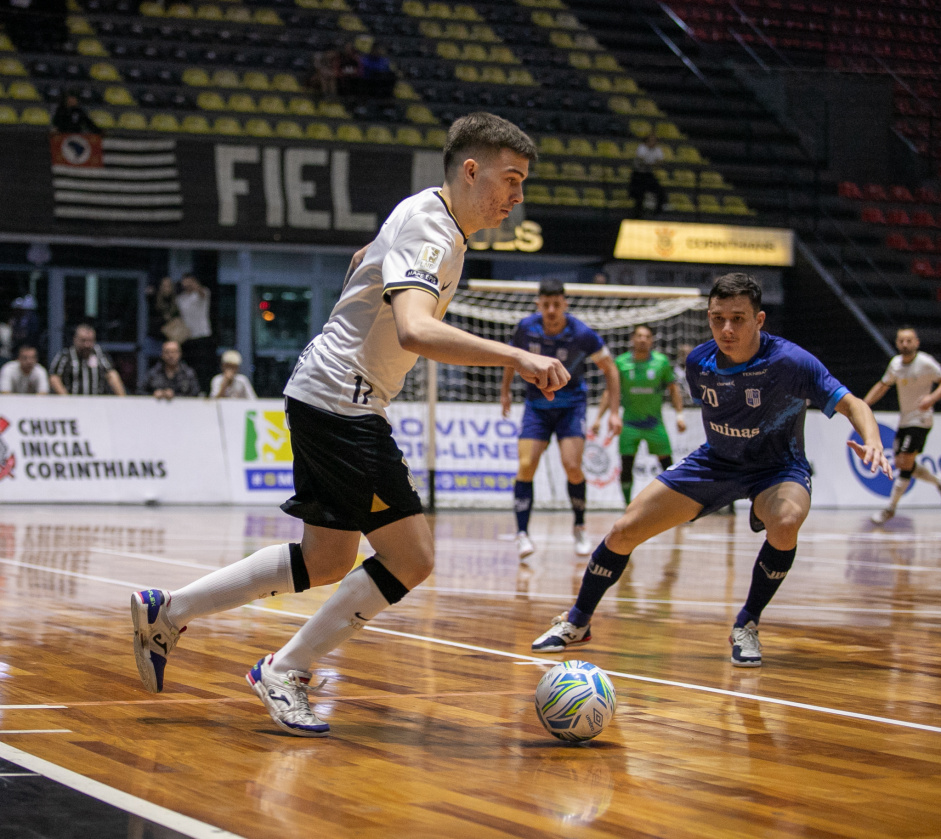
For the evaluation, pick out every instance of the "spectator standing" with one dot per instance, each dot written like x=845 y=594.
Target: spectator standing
x=84 y=369
x=349 y=70
x=25 y=322
x=170 y=376
x=230 y=383
x=323 y=80
x=378 y=76
x=71 y=118
x=649 y=155
x=163 y=317
x=24 y=374
x=193 y=303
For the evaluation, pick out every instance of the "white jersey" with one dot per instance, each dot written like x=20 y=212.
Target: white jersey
x=356 y=366
x=913 y=380
x=12 y=379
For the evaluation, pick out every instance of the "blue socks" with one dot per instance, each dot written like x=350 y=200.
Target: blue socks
x=522 y=504
x=770 y=569
x=603 y=571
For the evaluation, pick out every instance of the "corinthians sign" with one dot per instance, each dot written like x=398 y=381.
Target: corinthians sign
x=705 y=243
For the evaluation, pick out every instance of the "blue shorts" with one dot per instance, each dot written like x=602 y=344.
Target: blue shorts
x=542 y=423
x=716 y=483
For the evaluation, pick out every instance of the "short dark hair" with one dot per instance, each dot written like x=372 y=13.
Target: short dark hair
x=734 y=285
x=551 y=287
x=484 y=133
x=646 y=326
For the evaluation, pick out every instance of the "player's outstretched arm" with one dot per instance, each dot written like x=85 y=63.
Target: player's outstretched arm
x=612 y=380
x=861 y=418
x=876 y=392
x=603 y=406
x=677 y=398
x=419 y=331
x=506 y=399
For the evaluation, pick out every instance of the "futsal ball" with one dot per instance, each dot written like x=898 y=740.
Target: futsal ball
x=575 y=700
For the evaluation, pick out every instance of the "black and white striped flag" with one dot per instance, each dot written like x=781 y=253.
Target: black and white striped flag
x=123 y=180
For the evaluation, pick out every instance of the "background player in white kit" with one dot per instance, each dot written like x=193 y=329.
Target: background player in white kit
x=349 y=475
x=914 y=374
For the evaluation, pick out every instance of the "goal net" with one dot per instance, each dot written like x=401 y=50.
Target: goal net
x=448 y=422
x=492 y=309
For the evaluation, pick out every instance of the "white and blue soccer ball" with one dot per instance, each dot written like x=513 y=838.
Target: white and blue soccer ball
x=575 y=700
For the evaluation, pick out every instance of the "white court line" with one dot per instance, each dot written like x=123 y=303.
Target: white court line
x=122 y=800
x=30 y=707
x=686 y=685
x=36 y=730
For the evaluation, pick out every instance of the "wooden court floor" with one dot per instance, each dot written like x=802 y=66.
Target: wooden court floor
x=433 y=728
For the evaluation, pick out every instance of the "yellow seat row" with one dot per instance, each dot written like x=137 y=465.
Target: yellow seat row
x=497 y=54
x=613 y=84
x=594 y=61
x=579 y=41
x=458 y=31
x=31 y=115
x=212 y=11
x=619 y=198
x=445 y=11
x=270 y=103
x=575 y=171
x=494 y=75
x=252 y=79
x=326 y=5
x=257 y=127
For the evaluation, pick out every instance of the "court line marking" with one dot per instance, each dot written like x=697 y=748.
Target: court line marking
x=648 y=679
x=132 y=586
x=37 y=730
x=109 y=795
x=519 y=656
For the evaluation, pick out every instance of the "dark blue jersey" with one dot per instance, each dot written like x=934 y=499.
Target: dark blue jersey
x=753 y=413
x=572 y=346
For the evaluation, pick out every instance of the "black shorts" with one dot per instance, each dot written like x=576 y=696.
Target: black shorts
x=349 y=474
x=910 y=440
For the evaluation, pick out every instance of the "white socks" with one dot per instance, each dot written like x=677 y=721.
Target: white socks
x=263 y=574
x=898 y=490
x=356 y=601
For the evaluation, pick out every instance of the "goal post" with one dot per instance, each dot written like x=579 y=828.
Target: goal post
x=492 y=309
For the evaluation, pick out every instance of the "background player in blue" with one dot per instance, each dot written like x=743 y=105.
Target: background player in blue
x=754 y=389
x=550 y=331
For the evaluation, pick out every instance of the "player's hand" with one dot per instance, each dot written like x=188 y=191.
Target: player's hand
x=595 y=428
x=680 y=424
x=873 y=457
x=614 y=426
x=926 y=403
x=505 y=404
x=546 y=373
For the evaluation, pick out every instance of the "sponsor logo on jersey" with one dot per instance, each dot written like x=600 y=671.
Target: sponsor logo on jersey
x=752 y=397
x=429 y=257
x=424 y=276
x=727 y=431
x=562 y=354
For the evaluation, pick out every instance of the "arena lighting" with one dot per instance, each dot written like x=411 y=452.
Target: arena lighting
x=722 y=244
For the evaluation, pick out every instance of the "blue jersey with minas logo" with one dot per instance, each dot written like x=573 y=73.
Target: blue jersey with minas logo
x=753 y=413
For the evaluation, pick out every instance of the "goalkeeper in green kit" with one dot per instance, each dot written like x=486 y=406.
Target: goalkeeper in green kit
x=645 y=374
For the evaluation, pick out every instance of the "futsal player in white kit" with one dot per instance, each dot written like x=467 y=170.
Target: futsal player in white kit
x=915 y=375
x=349 y=475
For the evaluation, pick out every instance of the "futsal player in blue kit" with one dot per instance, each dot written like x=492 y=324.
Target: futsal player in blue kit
x=753 y=389
x=551 y=332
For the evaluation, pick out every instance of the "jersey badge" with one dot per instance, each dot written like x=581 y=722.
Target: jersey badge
x=651 y=373
x=429 y=257
x=562 y=354
x=752 y=397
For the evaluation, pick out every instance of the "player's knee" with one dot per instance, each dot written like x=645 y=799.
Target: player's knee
x=574 y=473
x=784 y=526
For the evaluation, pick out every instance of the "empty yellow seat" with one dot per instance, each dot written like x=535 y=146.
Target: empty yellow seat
x=448 y=50
x=408 y=136
x=301 y=106
x=733 y=204
x=119 y=96
x=379 y=134
x=436 y=137
x=8 y=115
x=546 y=169
x=10 y=66
x=267 y=17
x=238 y=14
x=640 y=127
x=318 y=131
x=712 y=180
x=104 y=72
x=289 y=129
x=102 y=118
x=332 y=110
x=467 y=73
x=573 y=171
x=226 y=78
x=581 y=147
x=181 y=10
x=566 y=196
x=668 y=131
x=685 y=178
x=241 y=102
x=551 y=145
x=688 y=154
x=537 y=194
x=286 y=83
x=271 y=104
x=420 y=115
x=209 y=100
x=195 y=124
x=474 y=52
x=601 y=84
x=708 y=203
x=520 y=76
x=255 y=80
x=680 y=202
x=493 y=75
x=91 y=47
x=132 y=121
x=259 y=128
x=607 y=148
x=593 y=196
x=196 y=77
x=209 y=11
x=227 y=125
x=350 y=133
x=23 y=91
x=164 y=122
